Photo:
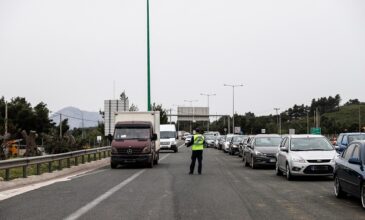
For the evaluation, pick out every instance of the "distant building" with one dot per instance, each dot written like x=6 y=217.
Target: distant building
x=110 y=108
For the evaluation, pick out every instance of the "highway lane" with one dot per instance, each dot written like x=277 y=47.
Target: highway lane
x=226 y=190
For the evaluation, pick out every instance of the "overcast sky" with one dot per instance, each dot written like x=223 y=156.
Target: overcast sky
x=284 y=52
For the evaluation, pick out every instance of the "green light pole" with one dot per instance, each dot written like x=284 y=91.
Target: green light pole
x=148 y=59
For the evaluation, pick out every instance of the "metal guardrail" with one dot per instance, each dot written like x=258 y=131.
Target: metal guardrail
x=25 y=162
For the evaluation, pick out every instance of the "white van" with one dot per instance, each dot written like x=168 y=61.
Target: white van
x=168 y=137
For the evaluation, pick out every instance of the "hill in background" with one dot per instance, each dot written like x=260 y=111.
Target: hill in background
x=75 y=115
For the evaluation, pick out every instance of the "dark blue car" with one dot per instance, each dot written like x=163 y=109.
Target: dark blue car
x=344 y=139
x=349 y=172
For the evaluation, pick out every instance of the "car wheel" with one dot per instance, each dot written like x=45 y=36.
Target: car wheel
x=252 y=163
x=113 y=165
x=363 y=195
x=288 y=174
x=338 y=191
x=277 y=170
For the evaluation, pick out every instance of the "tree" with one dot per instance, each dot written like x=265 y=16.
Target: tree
x=163 y=114
x=353 y=102
x=133 y=108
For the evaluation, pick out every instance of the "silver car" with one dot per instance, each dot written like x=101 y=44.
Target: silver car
x=305 y=155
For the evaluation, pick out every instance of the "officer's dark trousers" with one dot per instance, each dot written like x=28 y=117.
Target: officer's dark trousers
x=196 y=154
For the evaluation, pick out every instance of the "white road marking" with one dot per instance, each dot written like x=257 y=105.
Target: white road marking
x=77 y=214
x=13 y=192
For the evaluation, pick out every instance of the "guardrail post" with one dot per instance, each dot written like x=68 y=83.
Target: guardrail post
x=68 y=163
x=38 y=169
x=94 y=156
x=7 y=174
x=60 y=165
x=83 y=159
x=104 y=154
x=24 y=171
x=76 y=161
x=89 y=158
x=99 y=155
x=50 y=167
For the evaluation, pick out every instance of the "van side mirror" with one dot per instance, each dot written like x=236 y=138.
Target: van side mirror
x=154 y=137
x=354 y=160
x=110 y=137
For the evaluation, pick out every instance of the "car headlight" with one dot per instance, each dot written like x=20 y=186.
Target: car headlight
x=235 y=146
x=146 y=150
x=258 y=153
x=173 y=142
x=298 y=159
x=114 y=150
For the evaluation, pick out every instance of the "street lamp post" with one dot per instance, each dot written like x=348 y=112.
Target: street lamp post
x=278 y=121
x=208 y=95
x=191 y=105
x=233 y=86
x=148 y=59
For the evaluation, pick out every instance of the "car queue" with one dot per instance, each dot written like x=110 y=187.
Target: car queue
x=302 y=155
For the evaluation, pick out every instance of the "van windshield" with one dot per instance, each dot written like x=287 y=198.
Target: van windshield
x=131 y=133
x=167 y=134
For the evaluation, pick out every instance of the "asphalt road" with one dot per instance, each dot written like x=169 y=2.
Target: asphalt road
x=225 y=190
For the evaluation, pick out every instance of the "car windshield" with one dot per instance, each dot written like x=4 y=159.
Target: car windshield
x=209 y=137
x=310 y=144
x=167 y=134
x=228 y=139
x=267 y=141
x=356 y=137
x=131 y=133
x=238 y=138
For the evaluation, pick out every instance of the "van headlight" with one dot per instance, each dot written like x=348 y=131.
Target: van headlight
x=114 y=150
x=146 y=150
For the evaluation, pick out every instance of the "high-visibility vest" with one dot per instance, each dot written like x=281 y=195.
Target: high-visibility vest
x=198 y=142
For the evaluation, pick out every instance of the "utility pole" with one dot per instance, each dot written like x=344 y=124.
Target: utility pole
x=233 y=86
x=359 y=118
x=170 y=115
x=307 y=122
x=277 y=120
x=60 y=126
x=148 y=59
x=6 y=117
x=208 y=95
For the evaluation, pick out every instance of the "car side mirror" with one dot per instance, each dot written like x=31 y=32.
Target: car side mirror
x=154 y=137
x=354 y=160
x=284 y=149
x=337 y=147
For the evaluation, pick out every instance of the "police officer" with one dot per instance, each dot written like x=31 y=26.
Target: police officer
x=197 y=145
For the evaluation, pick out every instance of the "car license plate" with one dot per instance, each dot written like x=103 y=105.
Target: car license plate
x=319 y=168
x=130 y=161
x=273 y=160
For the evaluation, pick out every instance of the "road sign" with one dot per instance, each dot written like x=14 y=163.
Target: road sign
x=237 y=130
x=315 y=130
x=291 y=131
x=263 y=131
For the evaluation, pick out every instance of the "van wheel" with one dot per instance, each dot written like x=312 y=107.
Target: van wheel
x=363 y=195
x=150 y=164
x=155 y=162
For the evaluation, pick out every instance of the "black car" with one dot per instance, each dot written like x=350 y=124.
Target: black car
x=349 y=172
x=261 y=150
x=234 y=145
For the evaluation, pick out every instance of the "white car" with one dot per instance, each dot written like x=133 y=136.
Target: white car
x=227 y=142
x=188 y=139
x=305 y=155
